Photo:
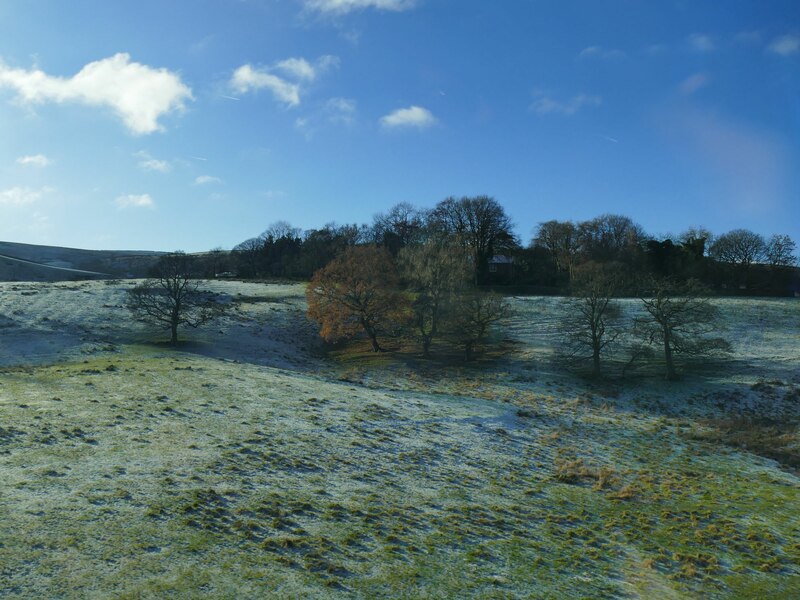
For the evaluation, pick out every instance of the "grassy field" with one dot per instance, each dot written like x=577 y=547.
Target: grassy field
x=248 y=464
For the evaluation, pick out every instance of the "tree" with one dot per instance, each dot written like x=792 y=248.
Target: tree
x=398 y=228
x=560 y=238
x=474 y=314
x=592 y=325
x=358 y=290
x=281 y=229
x=172 y=297
x=321 y=246
x=249 y=255
x=479 y=224
x=610 y=237
x=738 y=247
x=435 y=272
x=779 y=251
x=680 y=319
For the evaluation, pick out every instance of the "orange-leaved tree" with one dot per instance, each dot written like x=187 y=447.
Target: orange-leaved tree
x=356 y=291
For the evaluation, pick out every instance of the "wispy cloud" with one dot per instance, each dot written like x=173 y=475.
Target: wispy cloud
x=206 y=180
x=286 y=87
x=34 y=160
x=785 y=45
x=335 y=111
x=22 y=195
x=599 y=52
x=341 y=111
x=547 y=105
x=752 y=164
x=656 y=49
x=342 y=7
x=413 y=117
x=693 y=83
x=747 y=37
x=140 y=95
x=135 y=201
x=246 y=79
x=701 y=42
x=148 y=163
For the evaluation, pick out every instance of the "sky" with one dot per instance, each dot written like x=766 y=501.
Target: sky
x=196 y=124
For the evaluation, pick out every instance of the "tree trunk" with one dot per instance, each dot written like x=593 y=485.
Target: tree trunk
x=596 y=360
x=671 y=374
x=174 y=339
x=426 y=346
x=468 y=351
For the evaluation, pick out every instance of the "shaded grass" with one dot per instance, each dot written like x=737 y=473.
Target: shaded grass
x=770 y=438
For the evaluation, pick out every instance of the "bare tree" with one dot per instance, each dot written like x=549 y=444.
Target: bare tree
x=592 y=326
x=609 y=237
x=398 y=228
x=780 y=251
x=357 y=291
x=172 y=297
x=560 y=238
x=739 y=247
x=436 y=272
x=479 y=224
x=281 y=229
x=680 y=318
x=474 y=314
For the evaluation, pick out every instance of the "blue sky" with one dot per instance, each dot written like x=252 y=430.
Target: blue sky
x=191 y=125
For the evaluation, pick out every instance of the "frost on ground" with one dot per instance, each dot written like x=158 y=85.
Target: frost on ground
x=243 y=464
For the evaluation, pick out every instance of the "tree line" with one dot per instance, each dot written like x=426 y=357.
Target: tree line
x=427 y=295
x=423 y=275
x=736 y=262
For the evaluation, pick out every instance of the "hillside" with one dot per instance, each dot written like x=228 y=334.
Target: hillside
x=246 y=464
x=29 y=262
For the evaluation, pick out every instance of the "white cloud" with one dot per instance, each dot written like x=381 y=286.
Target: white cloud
x=22 y=195
x=413 y=116
x=340 y=111
x=785 y=45
x=286 y=89
x=148 y=163
x=693 y=83
x=335 y=111
x=600 y=52
x=207 y=179
x=547 y=105
x=342 y=7
x=700 y=42
x=34 y=160
x=298 y=68
x=135 y=201
x=246 y=79
x=140 y=95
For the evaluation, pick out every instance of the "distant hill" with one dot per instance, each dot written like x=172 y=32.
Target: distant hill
x=29 y=262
